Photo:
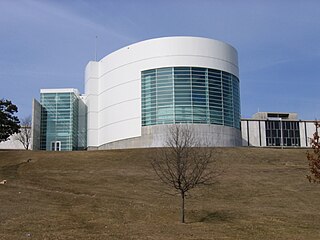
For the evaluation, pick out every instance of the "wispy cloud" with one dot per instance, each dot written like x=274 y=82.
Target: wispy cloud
x=51 y=8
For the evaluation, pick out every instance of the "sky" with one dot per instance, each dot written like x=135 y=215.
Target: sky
x=47 y=44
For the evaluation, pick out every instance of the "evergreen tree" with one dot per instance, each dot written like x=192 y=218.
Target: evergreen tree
x=9 y=124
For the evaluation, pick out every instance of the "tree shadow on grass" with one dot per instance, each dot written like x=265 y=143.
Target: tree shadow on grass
x=211 y=217
x=10 y=171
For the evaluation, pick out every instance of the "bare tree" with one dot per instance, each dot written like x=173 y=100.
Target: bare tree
x=314 y=156
x=24 y=136
x=183 y=164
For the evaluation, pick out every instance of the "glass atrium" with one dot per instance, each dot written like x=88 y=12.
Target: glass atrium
x=59 y=121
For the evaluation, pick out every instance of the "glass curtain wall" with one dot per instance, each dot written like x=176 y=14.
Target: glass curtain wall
x=190 y=95
x=59 y=121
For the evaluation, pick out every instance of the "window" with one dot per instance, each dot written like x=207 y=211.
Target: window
x=190 y=95
x=285 y=133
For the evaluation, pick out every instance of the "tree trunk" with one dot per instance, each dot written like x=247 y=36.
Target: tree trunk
x=182 y=207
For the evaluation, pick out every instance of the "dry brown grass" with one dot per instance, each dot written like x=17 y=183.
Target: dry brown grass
x=263 y=194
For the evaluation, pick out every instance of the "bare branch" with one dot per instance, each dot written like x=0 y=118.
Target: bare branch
x=314 y=156
x=24 y=135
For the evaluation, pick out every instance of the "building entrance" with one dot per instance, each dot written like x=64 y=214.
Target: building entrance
x=56 y=146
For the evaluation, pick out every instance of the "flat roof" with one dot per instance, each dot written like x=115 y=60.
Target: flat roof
x=60 y=90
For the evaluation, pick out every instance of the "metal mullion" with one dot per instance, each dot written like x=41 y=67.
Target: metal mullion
x=222 y=98
x=191 y=89
x=207 y=97
x=156 y=88
x=232 y=102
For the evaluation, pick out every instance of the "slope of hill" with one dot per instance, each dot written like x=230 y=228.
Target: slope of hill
x=263 y=194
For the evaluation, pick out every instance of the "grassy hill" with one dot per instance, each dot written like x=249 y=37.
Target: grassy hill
x=263 y=194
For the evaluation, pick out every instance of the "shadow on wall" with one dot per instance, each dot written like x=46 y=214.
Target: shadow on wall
x=245 y=143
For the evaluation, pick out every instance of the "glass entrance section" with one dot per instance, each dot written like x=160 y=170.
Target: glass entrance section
x=59 y=121
x=190 y=95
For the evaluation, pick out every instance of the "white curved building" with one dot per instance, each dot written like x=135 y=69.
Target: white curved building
x=133 y=93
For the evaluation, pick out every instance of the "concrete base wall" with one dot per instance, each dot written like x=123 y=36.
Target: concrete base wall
x=154 y=136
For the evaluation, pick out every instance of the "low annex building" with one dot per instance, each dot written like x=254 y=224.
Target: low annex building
x=276 y=129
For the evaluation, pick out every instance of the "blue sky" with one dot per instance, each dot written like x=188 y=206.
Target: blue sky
x=47 y=44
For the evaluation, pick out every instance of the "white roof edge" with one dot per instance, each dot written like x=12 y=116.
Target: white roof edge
x=279 y=112
x=167 y=38
x=60 y=90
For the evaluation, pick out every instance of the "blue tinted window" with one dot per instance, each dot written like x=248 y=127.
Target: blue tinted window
x=190 y=95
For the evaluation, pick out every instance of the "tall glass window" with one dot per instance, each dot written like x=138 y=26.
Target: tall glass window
x=59 y=121
x=190 y=95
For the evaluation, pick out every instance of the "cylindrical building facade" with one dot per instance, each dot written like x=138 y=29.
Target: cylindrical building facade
x=135 y=92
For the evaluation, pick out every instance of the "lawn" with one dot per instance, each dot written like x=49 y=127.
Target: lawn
x=262 y=194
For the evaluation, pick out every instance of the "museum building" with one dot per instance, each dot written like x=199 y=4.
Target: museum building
x=133 y=94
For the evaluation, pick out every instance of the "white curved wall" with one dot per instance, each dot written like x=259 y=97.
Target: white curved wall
x=113 y=85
